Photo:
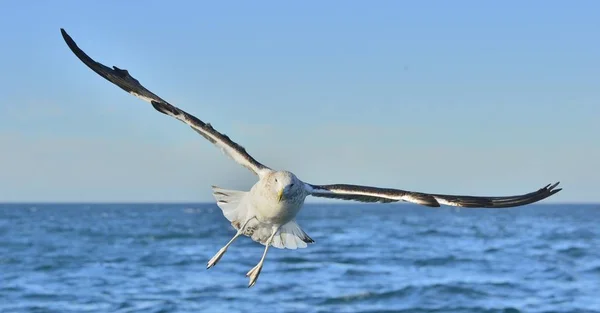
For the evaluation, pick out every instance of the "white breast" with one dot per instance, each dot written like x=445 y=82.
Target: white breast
x=269 y=210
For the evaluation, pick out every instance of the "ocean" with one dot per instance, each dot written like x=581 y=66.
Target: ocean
x=366 y=258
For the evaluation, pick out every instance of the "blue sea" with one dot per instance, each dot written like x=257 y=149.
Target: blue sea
x=367 y=258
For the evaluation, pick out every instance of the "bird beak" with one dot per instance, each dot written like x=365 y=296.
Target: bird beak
x=280 y=195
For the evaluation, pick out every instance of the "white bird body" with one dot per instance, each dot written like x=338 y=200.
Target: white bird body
x=267 y=212
x=262 y=209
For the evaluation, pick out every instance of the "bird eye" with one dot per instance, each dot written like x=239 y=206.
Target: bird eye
x=292 y=184
x=275 y=179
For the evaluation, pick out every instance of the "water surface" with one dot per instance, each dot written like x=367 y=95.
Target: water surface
x=367 y=258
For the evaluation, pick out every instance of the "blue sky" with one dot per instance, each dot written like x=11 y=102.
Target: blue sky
x=459 y=97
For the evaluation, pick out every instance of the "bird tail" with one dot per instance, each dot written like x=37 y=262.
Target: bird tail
x=290 y=236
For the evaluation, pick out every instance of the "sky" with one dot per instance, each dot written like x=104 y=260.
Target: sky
x=455 y=97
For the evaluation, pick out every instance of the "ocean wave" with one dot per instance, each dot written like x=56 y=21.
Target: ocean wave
x=445 y=309
x=593 y=269
x=370 y=295
x=443 y=261
x=438 y=290
x=364 y=272
x=572 y=251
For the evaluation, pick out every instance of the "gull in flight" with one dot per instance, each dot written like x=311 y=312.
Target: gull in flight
x=267 y=212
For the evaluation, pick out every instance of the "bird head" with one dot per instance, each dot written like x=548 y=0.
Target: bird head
x=285 y=184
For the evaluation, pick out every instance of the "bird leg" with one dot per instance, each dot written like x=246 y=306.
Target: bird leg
x=213 y=261
x=255 y=271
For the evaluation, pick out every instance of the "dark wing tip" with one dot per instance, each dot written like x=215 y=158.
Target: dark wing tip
x=82 y=56
x=70 y=42
x=533 y=197
x=549 y=189
x=501 y=202
x=66 y=36
x=118 y=76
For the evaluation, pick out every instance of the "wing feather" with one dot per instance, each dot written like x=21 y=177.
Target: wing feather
x=123 y=80
x=386 y=195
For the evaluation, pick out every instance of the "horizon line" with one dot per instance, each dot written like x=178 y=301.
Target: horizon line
x=213 y=202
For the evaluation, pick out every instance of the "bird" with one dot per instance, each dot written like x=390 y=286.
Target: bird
x=267 y=212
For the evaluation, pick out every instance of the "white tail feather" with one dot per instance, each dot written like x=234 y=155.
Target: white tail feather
x=291 y=236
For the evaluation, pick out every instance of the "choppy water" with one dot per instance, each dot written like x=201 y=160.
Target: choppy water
x=367 y=258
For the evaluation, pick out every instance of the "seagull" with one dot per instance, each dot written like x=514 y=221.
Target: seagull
x=267 y=212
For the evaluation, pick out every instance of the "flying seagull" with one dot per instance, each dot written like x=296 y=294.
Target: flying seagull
x=267 y=212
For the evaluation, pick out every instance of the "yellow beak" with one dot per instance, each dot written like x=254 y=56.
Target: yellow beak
x=280 y=195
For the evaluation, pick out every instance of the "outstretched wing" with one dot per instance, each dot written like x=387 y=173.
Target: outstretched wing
x=385 y=195
x=121 y=78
